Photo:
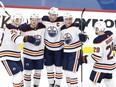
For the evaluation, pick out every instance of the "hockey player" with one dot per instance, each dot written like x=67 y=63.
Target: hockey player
x=103 y=56
x=53 y=47
x=10 y=52
x=33 y=53
x=73 y=40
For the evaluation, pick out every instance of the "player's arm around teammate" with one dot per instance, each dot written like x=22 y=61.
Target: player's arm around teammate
x=53 y=53
x=72 y=49
x=33 y=52
x=10 y=50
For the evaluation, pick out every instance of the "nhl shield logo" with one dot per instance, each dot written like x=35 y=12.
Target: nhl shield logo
x=38 y=40
x=14 y=69
x=52 y=31
x=27 y=64
x=67 y=38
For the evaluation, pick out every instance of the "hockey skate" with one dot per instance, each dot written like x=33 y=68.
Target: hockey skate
x=51 y=85
x=56 y=85
x=35 y=86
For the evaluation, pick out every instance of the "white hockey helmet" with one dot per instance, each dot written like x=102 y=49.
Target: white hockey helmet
x=67 y=15
x=53 y=10
x=101 y=25
x=14 y=17
x=34 y=16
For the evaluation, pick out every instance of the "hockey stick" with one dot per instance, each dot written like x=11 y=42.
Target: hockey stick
x=82 y=46
x=3 y=7
x=82 y=19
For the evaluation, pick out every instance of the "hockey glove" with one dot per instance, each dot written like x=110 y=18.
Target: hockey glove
x=83 y=37
x=29 y=39
x=83 y=59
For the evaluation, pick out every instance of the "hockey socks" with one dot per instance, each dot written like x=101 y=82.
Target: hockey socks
x=18 y=80
x=27 y=78
x=54 y=78
x=71 y=79
x=58 y=75
x=36 y=77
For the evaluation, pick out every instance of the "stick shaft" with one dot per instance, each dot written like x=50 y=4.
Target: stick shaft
x=81 y=46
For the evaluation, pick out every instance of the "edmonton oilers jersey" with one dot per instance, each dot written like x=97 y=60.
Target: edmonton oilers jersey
x=103 y=55
x=36 y=50
x=71 y=38
x=11 y=39
x=53 y=40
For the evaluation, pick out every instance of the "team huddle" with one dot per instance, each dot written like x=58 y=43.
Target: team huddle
x=56 y=42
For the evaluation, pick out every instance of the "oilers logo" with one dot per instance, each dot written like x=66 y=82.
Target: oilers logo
x=52 y=31
x=38 y=40
x=68 y=38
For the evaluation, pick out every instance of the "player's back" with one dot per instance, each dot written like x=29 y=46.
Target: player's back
x=105 y=43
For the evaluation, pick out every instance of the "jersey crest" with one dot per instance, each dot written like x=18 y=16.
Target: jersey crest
x=52 y=31
x=38 y=40
x=68 y=38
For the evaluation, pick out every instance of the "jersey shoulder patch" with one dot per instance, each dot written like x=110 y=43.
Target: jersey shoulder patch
x=63 y=27
x=72 y=25
x=108 y=33
x=25 y=27
x=75 y=25
x=10 y=26
x=45 y=18
x=101 y=38
x=40 y=25
x=60 y=19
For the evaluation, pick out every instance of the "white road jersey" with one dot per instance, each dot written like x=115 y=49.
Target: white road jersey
x=32 y=51
x=103 y=55
x=53 y=39
x=71 y=38
x=10 y=41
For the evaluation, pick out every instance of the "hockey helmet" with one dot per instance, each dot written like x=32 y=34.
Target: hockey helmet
x=100 y=25
x=14 y=17
x=53 y=10
x=67 y=15
x=34 y=16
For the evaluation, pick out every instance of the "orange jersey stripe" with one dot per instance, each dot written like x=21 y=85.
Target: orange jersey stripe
x=33 y=52
x=54 y=44
x=76 y=61
x=97 y=77
x=73 y=45
x=7 y=67
x=105 y=66
x=95 y=58
x=10 y=54
x=73 y=81
x=14 y=37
